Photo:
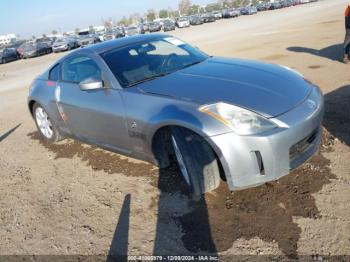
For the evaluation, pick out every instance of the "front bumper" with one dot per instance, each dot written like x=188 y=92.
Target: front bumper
x=59 y=48
x=29 y=55
x=253 y=160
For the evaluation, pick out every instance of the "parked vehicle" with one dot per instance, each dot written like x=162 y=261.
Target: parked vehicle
x=183 y=22
x=154 y=27
x=253 y=10
x=286 y=3
x=114 y=33
x=249 y=10
x=262 y=7
x=36 y=49
x=196 y=20
x=208 y=18
x=64 y=44
x=217 y=14
x=46 y=40
x=168 y=25
x=171 y=99
x=86 y=40
x=234 y=12
x=145 y=27
x=132 y=30
x=17 y=45
x=8 y=55
x=275 y=5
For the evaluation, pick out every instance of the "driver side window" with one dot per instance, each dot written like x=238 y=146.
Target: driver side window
x=80 y=68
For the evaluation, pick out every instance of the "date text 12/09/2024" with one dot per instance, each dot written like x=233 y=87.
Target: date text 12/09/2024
x=173 y=258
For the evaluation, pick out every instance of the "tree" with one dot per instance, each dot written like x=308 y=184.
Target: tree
x=174 y=14
x=44 y=35
x=151 y=15
x=184 y=7
x=54 y=32
x=194 y=9
x=76 y=31
x=134 y=18
x=124 y=21
x=213 y=7
x=163 y=13
x=108 y=24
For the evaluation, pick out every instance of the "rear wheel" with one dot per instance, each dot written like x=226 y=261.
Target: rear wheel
x=196 y=160
x=46 y=127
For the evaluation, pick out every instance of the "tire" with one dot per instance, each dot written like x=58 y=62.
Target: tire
x=54 y=135
x=196 y=158
x=3 y=61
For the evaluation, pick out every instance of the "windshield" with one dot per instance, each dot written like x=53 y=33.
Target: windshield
x=29 y=47
x=59 y=41
x=147 y=60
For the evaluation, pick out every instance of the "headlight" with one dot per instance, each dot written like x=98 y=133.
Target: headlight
x=241 y=121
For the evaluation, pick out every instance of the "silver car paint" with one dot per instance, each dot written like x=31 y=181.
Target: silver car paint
x=126 y=120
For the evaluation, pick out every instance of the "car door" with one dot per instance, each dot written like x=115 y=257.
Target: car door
x=13 y=54
x=96 y=116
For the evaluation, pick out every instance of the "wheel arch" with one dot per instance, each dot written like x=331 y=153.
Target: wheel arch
x=160 y=144
x=31 y=104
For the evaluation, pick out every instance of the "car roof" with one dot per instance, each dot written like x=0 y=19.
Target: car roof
x=120 y=42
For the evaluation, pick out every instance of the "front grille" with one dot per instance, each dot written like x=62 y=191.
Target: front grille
x=302 y=146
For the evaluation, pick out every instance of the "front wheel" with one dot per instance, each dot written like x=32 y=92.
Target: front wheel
x=46 y=127
x=196 y=160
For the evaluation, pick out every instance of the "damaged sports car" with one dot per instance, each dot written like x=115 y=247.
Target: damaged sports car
x=157 y=98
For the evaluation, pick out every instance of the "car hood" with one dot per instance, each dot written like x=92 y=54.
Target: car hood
x=59 y=44
x=267 y=89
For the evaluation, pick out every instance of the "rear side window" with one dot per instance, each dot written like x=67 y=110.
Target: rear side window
x=80 y=68
x=54 y=73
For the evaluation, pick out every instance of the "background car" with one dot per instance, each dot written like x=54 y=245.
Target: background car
x=86 y=40
x=217 y=14
x=36 y=49
x=8 y=54
x=234 y=12
x=46 y=40
x=114 y=33
x=208 y=18
x=196 y=20
x=182 y=22
x=64 y=44
x=286 y=3
x=168 y=25
x=154 y=27
x=275 y=5
x=249 y=10
x=262 y=7
x=132 y=30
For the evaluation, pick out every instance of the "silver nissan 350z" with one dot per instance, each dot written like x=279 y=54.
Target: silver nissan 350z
x=156 y=98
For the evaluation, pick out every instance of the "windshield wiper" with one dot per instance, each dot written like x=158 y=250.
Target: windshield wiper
x=194 y=63
x=147 y=79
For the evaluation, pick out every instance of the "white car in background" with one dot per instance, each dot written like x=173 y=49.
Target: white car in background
x=183 y=22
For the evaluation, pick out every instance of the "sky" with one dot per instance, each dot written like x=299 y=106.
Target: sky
x=36 y=17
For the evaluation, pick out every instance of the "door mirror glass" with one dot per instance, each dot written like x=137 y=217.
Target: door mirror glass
x=91 y=84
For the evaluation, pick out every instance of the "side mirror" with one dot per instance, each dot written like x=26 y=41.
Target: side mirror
x=91 y=84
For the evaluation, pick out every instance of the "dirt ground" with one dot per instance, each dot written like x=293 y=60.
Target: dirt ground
x=74 y=199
